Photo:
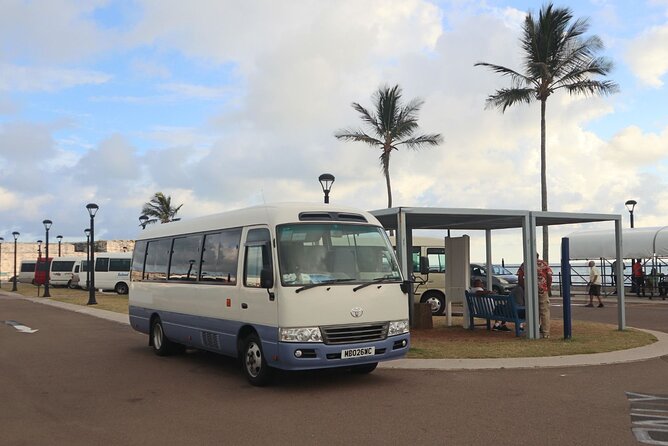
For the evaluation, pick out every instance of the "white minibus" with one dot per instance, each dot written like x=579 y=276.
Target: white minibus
x=112 y=271
x=429 y=288
x=285 y=286
x=62 y=269
x=27 y=272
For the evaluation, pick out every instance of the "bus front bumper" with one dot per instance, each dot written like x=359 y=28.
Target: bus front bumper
x=303 y=356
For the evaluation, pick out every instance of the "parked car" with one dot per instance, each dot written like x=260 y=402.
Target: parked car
x=503 y=281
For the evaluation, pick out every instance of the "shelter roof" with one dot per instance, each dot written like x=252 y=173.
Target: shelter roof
x=637 y=243
x=480 y=219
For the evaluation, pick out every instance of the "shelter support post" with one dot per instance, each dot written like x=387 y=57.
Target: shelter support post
x=405 y=259
x=530 y=275
x=488 y=259
x=566 y=287
x=621 y=318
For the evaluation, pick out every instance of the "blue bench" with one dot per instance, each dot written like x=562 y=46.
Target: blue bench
x=496 y=307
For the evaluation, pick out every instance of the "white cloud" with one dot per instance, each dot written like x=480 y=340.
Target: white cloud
x=291 y=72
x=51 y=31
x=647 y=55
x=15 y=78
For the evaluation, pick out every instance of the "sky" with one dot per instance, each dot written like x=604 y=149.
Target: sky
x=226 y=104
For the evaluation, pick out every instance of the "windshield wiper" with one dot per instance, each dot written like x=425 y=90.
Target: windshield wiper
x=327 y=282
x=374 y=281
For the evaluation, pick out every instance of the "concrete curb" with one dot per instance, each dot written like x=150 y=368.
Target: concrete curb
x=655 y=350
x=89 y=310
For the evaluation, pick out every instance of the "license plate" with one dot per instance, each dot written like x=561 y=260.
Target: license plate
x=358 y=352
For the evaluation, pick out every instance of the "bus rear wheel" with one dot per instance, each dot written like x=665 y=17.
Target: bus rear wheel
x=436 y=300
x=254 y=365
x=162 y=346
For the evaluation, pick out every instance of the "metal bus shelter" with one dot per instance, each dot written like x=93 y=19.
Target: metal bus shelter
x=404 y=220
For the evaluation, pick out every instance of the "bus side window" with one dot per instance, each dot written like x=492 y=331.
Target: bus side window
x=257 y=257
x=102 y=264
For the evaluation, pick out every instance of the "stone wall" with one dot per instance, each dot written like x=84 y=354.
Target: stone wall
x=30 y=251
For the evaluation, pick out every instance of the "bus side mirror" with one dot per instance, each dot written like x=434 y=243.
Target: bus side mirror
x=424 y=265
x=266 y=278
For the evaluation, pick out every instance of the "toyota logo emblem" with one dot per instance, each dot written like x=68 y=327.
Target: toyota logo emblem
x=356 y=312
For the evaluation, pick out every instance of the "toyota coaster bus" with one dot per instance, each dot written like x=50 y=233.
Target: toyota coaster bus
x=284 y=286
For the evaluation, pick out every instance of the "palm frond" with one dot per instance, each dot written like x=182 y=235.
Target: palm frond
x=591 y=87
x=507 y=97
x=515 y=77
x=417 y=142
x=366 y=115
x=357 y=135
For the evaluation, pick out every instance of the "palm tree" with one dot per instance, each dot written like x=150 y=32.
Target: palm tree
x=160 y=208
x=556 y=56
x=392 y=125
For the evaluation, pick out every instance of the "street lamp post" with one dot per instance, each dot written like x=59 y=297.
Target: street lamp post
x=16 y=236
x=92 y=210
x=47 y=225
x=39 y=250
x=326 y=181
x=630 y=205
x=87 y=232
x=143 y=219
x=60 y=239
x=1 y=240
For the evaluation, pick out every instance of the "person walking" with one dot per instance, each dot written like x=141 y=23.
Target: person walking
x=594 y=285
x=613 y=274
x=544 y=286
x=637 y=280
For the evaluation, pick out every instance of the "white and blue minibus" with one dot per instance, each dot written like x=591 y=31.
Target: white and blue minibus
x=284 y=286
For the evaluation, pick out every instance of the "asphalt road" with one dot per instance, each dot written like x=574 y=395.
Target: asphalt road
x=80 y=380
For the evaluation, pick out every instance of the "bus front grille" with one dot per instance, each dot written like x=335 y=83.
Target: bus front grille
x=354 y=334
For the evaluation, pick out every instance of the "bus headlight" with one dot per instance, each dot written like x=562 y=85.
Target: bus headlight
x=398 y=327
x=300 y=334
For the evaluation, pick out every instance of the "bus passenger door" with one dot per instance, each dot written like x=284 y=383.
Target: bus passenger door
x=258 y=301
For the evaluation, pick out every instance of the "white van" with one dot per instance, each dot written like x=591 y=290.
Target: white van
x=112 y=271
x=27 y=271
x=62 y=269
x=285 y=286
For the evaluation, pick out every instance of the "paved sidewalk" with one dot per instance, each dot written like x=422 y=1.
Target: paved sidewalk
x=655 y=350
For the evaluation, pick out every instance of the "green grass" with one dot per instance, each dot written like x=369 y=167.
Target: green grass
x=105 y=301
x=458 y=343
x=442 y=341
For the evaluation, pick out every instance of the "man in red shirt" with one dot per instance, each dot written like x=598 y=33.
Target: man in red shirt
x=544 y=286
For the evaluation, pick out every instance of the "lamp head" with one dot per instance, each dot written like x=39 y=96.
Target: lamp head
x=16 y=234
x=630 y=205
x=87 y=232
x=92 y=209
x=326 y=181
x=47 y=224
x=60 y=238
x=143 y=219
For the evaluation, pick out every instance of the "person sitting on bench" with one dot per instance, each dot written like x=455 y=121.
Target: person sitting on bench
x=478 y=290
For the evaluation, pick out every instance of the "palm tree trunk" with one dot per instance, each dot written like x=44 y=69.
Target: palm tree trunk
x=543 y=179
x=386 y=171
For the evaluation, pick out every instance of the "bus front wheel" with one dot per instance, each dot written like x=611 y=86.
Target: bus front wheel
x=255 y=366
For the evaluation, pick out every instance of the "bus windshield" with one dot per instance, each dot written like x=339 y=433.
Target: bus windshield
x=334 y=253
